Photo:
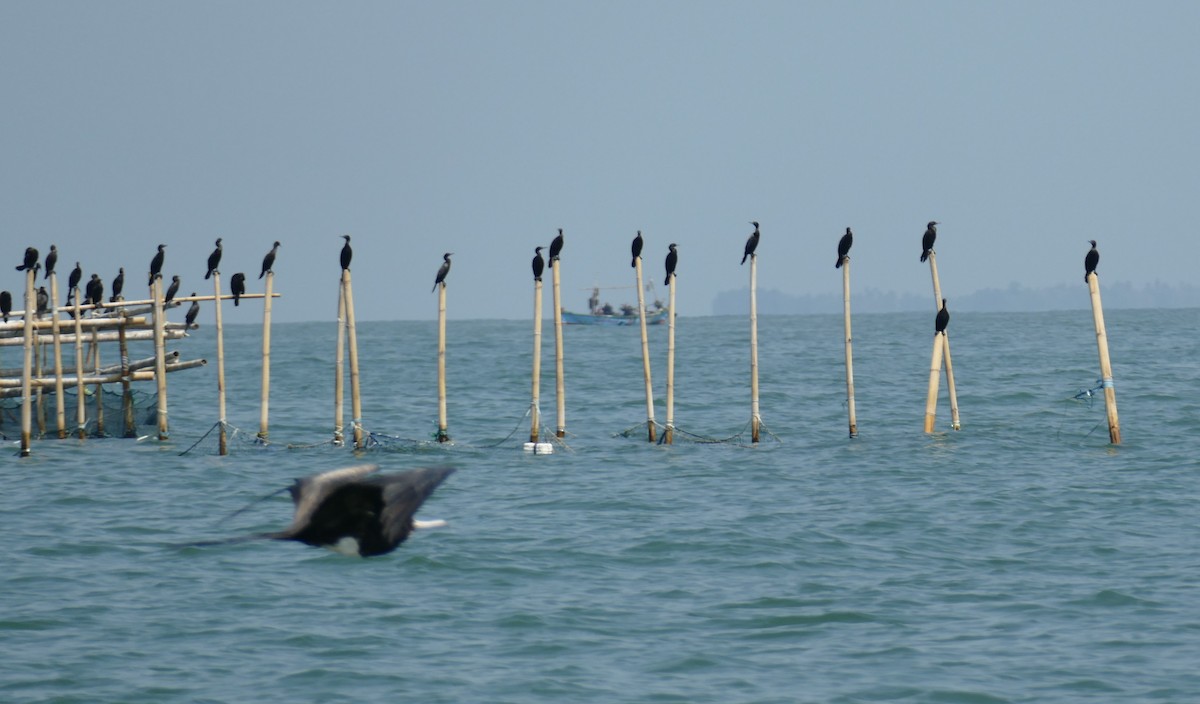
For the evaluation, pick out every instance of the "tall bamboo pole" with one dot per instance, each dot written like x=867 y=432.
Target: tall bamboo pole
x=27 y=365
x=1106 y=376
x=935 y=373
x=222 y=436
x=352 y=334
x=99 y=390
x=60 y=402
x=560 y=385
x=849 y=351
x=755 y=420
x=339 y=374
x=130 y=427
x=39 y=397
x=80 y=408
x=668 y=435
x=652 y=431
x=160 y=356
x=937 y=305
x=535 y=430
x=442 y=435
x=266 y=360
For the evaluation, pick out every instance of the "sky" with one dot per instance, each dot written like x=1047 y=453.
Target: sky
x=479 y=128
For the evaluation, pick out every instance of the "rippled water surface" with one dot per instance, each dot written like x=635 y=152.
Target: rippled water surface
x=1020 y=559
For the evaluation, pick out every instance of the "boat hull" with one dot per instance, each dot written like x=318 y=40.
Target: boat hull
x=654 y=318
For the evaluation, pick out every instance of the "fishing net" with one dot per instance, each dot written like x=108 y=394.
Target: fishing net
x=108 y=418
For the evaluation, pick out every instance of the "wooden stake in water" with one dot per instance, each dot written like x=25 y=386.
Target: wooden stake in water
x=668 y=434
x=130 y=428
x=222 y=437
x=937 y=305
x=1106 y=376
x=27 y=366
x=339 y=367
x=652 y=431
x=755 y=420
x=935 y=374
x=560 y=385
x=80 y=399
x=266 y=360
x=160 y=356
x=534 y=423
x=352 y=335
x=849 y=351
x=442 y=434
x=60 y=402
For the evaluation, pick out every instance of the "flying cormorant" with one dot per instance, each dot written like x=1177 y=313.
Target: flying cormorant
x=442 y=271
x=118 y=285
x=1090 y=260
x=51 y=260
x=192 y=312
x=214 y=260
x=539 y=264
x=237 y=286
x=556 y=247
x=172 y=289
x=751 y=243
x=943 y=318
x=844 y=247
x=269 y=260
x=73 y=282
x=354 y=511
x=636 y=248
x=156 y=264
x=95 y=290
x=5 y=304
x=347 y=253
x=31 y=259
x=43 y=301
x=927 y=240
x=672 y=260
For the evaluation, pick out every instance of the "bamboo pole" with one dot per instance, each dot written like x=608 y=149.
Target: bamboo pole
x=668 y=434
x=80 y=408
x=39 y=352
x=651 y=429
x=174 y=331
x=755 y=419
x=59 y=401
x=13 y=381
x=849 y=351
x=442 y=435
x=339 y=373
x=110 y=377
x=937 y=305
x=45 y=328
x=1106 y=376
x=266 y=360
x=160 y=356
x=222 y=436
x=130 y=427
x=560 y=385
x=355 y=393
x=27 y=367
x=99 y=392
x=534 y=424
x=935 y=374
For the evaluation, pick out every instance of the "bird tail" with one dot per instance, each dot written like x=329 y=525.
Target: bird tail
x=744 y=258
x=924 y=255
x=839 y=263
x=206 y=276
x=633 y=264
x=21 y=268
x=235 y=301
x=264 y=273
x=667 y=281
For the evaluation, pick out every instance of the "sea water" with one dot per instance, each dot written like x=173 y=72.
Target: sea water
x=1022 y=558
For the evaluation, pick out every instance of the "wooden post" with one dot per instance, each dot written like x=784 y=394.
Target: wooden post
x=339 y=380
x=535 y=431
x=266 y=360
x=560 y=385
x=755 y=420
x=935 y=373
x=27 y=366
x=849 y=352
x=80 y=408
x=442 y=435
x=652 y=431
x=937 y=305
x=222 y=436
x=160 y=356
x=130 y=427
x=99 y=391
x=1106 y=376
x=352 y=334
x=60 y=402
x=668 y=434
x=39 y=352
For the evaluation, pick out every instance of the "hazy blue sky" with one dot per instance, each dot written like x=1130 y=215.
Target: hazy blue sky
x=479 y=128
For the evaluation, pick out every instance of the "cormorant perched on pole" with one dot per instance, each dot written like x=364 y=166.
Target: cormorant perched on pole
x=95 y=290
x=118 y=285
x=672 y=260
x=927 y=240
x=636 y=248
x=269 y=260
x=172 y=289
x=442 y=271
x=192 y=312
x=1090 y=260
x=943 y=319
x=5 y=304
x=354 y=511
x=156 y=264
x=51 y=260
x=31 y=258
x=347 y=253
x=539 y=264
x=73 y=281
x=43 y=301
x=214 y=260
x=844 y=247
x=237 y=286
x=556 y=247
x=751 y=242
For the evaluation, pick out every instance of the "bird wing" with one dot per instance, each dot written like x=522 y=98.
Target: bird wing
x=403 y=494
x=309 y=492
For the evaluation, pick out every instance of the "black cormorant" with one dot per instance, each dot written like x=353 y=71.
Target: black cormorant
x=118 y=285
x=354 y=511
x=539 y=264
x=636 y=248
x=51 y=260
x=442 y=271
x=214 y=260
x=43 y=301
x=156 y=264
x=172 y=289
x=751 y=243
x=672 y=260
x=269 y=260
x=237 y=286
x=192 y=312
x=73 y=282
x=844 y=247
x=1090 y=260
x=31 y=259
x=347 y=253
x=943 y=318
x=556 y=247
x=5 y=304
x=927 y=240
x=95 y=290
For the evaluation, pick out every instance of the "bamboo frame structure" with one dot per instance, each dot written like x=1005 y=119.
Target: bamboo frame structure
x=668 y=434
x=849 y=347
x=937 y=305
x=80 y=408
x=559 y=383
x=755 y=419
x=60 y=410
x=442 y=434
x=535 y=431
x=160 y=357
x=651 y=429
x=1106 y=375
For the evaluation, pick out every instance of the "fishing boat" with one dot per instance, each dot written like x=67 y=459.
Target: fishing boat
x=606 y=314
